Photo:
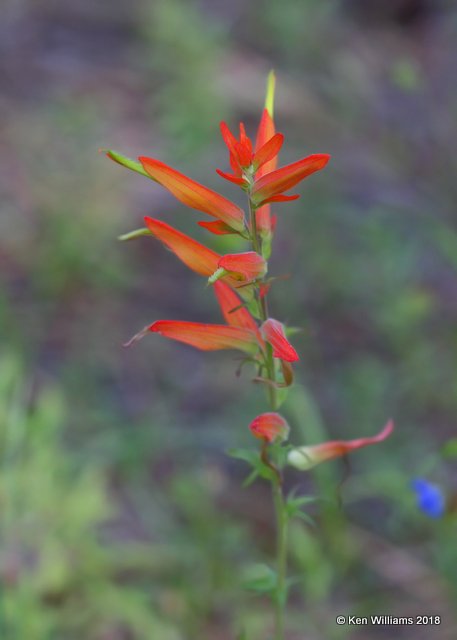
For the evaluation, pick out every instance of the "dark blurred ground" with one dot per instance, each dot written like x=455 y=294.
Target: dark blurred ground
x=123 y=518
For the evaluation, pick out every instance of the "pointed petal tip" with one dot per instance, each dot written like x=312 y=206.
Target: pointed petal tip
x=388 y=428
x=138 y=336
x=270 y=93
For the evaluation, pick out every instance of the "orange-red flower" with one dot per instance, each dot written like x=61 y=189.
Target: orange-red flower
x=273 y=332
x=270 y=187
x=234 y=311
x=240 y=332
x=305 y=458
x=217 y=227
x=195 y=195
x=195 y=255
x=243 y=160
x=207 y=337
x=244 y=267
x=266 y=131
x=270 y=427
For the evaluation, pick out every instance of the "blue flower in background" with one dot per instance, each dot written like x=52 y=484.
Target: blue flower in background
x=430 y=498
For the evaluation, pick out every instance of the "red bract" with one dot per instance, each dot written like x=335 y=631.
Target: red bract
x=240 y=150
x=270 y=187
x=270 y=427
x=207 y=337
x=195 y=195
x=305 y=458
x=242 y=157
x=265 y=132
x=196 y=256
x=246 y=267
x=234 y=311
x=273 y=332
x=217 y=227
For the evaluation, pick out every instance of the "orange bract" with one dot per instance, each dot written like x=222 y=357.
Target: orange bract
x=247 y=266
x=207 y=337
x=265 y=132
x=233 y=310
x=193 y=194
x=196 y=256
x=274 y=183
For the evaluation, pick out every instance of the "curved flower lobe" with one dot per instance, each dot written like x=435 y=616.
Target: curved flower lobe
x=270 y=427
x=193 y=194
x=273 y=332
x=305 y=458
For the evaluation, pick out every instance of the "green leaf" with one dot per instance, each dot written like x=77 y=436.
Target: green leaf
x=449 y=449
x=278 y=454
x=248 y=455
x=253 y=459
x=306 y=518
x=250 y=479
x=294 y=506
x=260 y=578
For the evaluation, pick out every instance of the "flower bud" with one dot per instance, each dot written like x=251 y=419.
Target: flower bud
x=270 y=427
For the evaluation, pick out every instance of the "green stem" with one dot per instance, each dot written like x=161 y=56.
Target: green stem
x=276 y=480
x=281 y=567
x=263 y=308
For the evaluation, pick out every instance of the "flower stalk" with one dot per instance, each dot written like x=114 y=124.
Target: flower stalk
x=241 y=287
x=281 y=518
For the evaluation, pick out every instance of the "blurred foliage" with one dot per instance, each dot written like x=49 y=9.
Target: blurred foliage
x=121 y=518
x=184 y=49
x=59 y=578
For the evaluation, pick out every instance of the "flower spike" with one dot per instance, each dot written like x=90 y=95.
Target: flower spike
x=195 y=195
x=305 y=458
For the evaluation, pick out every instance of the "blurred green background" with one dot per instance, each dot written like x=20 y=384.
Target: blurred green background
x=121 y=517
